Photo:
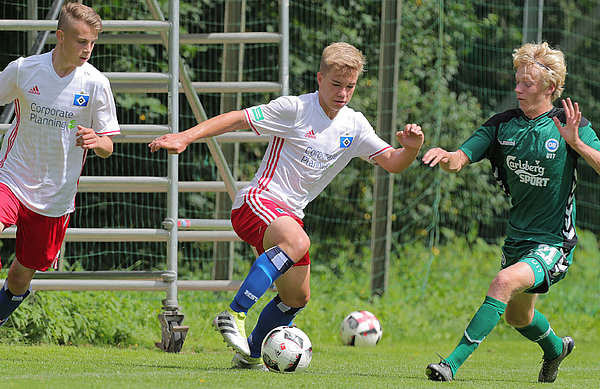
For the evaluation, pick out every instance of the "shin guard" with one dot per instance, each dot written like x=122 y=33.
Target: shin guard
x=268 y=267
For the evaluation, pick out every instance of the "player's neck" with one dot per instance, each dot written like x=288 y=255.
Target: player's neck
x=536 y=111
x=330 y=113
x=62 y=67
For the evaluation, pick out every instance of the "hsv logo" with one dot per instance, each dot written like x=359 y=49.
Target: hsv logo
x=34 y=90
x=81 y=100
x=310 y=134
x=346 y=141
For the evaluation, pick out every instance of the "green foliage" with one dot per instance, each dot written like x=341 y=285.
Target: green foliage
x=80 y=318
x=432 y=294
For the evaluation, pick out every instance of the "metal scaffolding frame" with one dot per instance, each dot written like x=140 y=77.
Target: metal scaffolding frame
x=175 y=229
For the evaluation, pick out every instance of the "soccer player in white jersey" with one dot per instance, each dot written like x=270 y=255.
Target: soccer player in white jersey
x=63 y=108
x=313 y=137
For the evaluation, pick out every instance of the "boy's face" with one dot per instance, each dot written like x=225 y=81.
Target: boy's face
x=530 y=90
x=77 y=42
x=335 y=90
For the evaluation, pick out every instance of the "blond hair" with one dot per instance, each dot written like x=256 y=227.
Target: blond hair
x=543 y=63
x=72 y=12
x=342 y=56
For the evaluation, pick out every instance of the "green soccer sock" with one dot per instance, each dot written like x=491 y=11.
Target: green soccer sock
x=481 y=324
x=540 y=332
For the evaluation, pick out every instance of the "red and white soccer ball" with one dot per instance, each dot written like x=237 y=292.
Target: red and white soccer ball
x=286 y=349
x=360 y=328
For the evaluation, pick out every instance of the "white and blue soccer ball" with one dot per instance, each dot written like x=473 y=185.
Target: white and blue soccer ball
x=360 y=328
x=286 y=350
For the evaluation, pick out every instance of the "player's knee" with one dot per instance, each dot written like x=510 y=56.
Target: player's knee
x=297 y=247
x=503 y=282
x=301 y=246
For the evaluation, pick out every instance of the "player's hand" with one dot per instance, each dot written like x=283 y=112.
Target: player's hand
x=570 y=132
x=436 y=155
x=173 y=143
x=411 y=137
x=86 y=138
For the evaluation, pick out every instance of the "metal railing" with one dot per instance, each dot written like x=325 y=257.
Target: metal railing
x=192 y=230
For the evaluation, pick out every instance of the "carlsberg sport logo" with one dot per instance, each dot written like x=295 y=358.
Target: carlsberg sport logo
x=529 y=173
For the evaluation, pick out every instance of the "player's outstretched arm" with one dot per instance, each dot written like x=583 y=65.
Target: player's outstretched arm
x=570 y=132
x=176 y=143
x=87 y=139
x=398 y=160
x=451 y=162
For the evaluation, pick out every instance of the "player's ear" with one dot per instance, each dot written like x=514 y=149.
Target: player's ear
x=60 y=36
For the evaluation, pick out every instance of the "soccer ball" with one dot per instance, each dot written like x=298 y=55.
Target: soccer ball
x=286 y=349
x=360 y=328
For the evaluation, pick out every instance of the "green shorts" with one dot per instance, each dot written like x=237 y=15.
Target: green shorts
x=549 y=263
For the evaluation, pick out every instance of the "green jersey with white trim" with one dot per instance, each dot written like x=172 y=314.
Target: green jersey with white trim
x=537 y=169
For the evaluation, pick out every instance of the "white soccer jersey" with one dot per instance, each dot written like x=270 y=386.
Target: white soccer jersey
x=39 y=161
x=306 y=151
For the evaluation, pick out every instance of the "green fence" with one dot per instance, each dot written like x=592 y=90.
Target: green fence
x=455 y=71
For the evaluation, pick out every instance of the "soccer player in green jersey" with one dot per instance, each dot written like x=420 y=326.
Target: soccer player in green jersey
x=533 y=151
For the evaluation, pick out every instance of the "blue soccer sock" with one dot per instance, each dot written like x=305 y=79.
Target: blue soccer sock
x=264 y=271
x=9 y=302
x=274 y=314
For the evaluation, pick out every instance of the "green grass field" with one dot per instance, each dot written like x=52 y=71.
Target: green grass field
x=496 y=364
x=423 y=313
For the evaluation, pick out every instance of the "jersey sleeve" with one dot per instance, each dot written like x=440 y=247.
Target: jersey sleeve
x=104 y=116
x=589 y=136
x=8 y=83
x=370 y=144
x=479 y=145
x=275 y=118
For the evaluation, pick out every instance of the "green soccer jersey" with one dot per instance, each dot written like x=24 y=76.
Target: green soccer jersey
x=536 y=167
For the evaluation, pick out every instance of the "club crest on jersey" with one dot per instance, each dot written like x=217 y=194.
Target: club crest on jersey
x=81 y=100
x=551 y=145
x=346 y=141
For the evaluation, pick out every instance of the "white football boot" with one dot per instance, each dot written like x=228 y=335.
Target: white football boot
x=231 y=327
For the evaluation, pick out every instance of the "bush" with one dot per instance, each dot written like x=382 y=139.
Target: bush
x=81 y=318
x=432 y=293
